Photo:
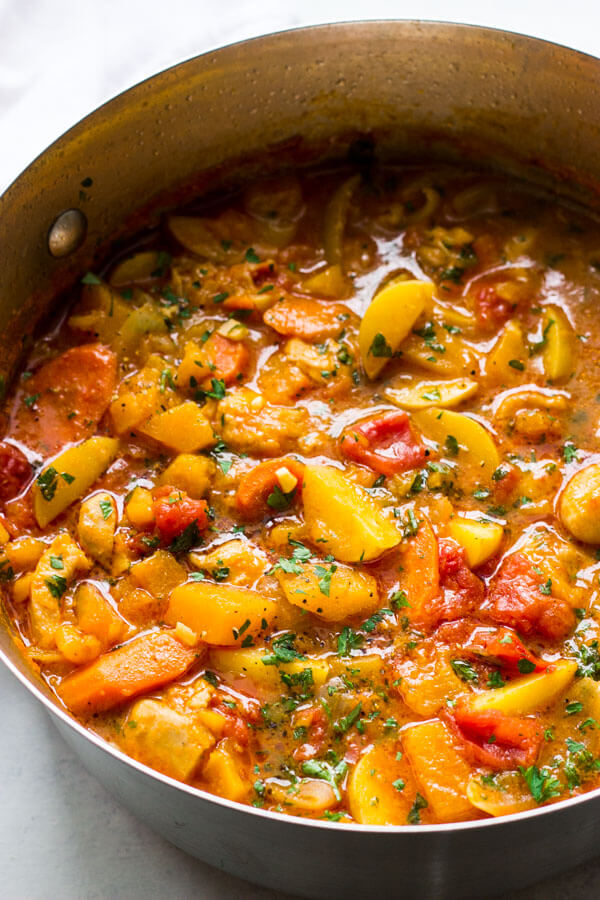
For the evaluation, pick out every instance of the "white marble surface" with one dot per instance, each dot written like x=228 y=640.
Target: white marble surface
x=61 y=834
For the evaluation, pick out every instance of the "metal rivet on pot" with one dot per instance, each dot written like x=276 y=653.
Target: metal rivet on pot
x=67 y=233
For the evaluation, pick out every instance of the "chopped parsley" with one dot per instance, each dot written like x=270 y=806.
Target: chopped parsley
x=414 y=815
x=106 y=509
x=525 y=666
x=346 y=722
x=282 y=650
x=328 y=772
x=279 y=501
x=380 y=347
x=348 y=640
x=542 y=784
x=90 y=278
x=57 y=585
x=451 y=445
x=189 y=537
x=464 y=670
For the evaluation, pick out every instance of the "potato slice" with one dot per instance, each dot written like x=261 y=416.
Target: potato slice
x=428 y=680
x=159 y=574
x=182 y=428
x=358 y=668
x=239 y=562
x=330 y=282
x=343 y=519
x=345 y=592
x=165 y=740
x=136 y=269
x=508 y=356
x=479 y=540
x=139 y=508
x=440 y=770
x=224 y=773
x=336 y=215
x=57 y=568
x=526 y=695
x=579 y=505
x=202 y=236
x=559 y=350
x=21 y=554
x=76 y=646
x=96 y=616
x=138 y=398
x=381 y=787
x=190 y=473
x=431 y=348
x=69 y=475
x=146 y=319
x=246 y=665
x=389 y=319
x=462 y=438
x=219 y=613
x=501 y=796
x=424 y=394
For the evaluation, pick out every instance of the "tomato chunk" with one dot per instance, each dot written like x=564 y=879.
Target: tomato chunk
x=386 y=444
x=175 y=512
x=516 y=598
x=494 y=739
x=237 y=723
x=504 y=647
x=15 y=471
x=66 y=398
x=492 y=311
x=461 y=591
x=260 y=488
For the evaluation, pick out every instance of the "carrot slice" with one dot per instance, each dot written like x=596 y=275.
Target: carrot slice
x=309 y=320
x=66 y=398
x=222 y=359
x=144 y=664
x=260 y=483
x=420 y=575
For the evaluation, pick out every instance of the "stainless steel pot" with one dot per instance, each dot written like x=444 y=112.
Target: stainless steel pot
x=419 y=88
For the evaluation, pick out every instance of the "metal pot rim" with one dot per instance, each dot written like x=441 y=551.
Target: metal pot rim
x=66 y=719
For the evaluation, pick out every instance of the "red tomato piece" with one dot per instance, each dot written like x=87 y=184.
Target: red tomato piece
x=516 y=599
x=504 y=647
x=15 y=471
x=491 y=310
x=175 y=511
x=315 y=721
x=494 y=739
x=386 y=444
x=237 y=721
x=67 y=397
x=257 y=485
x=461 y=591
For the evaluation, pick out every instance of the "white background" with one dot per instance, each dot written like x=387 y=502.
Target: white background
x=61 y=835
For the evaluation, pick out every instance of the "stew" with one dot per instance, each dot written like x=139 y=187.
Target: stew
x=300 y=498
